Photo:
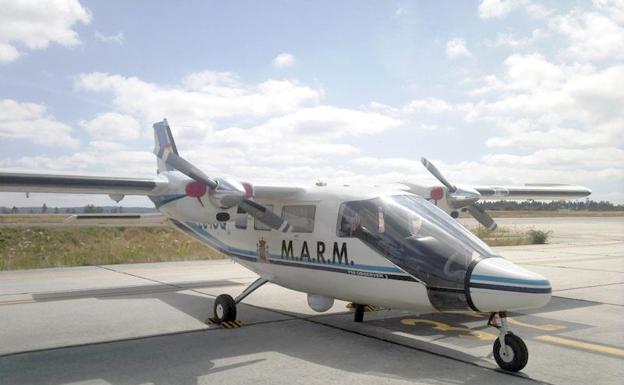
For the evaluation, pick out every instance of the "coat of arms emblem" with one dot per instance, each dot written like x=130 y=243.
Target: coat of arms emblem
x=263 y=251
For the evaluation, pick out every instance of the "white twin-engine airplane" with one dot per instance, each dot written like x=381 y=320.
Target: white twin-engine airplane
x=392 y=247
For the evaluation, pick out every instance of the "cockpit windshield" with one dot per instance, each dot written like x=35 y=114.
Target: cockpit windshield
x=416 y=236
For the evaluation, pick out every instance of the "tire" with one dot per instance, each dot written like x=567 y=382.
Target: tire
x=224 y=309
x=518 y=355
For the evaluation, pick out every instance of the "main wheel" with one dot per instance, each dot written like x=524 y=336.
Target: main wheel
x=224 y=309
x=515 y=355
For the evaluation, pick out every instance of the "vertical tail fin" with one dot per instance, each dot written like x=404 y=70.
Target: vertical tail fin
x=164 y=144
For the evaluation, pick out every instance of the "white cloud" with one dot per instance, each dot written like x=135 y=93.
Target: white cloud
x=540 y=104
x=117 y=38
x=559 y=94
x=112 y=126
x=512 y=41
x=98 y=159
x=329 y=121
x=30 y=25
x=591 y=36
x=601 y=158
x=456 y=48
x=220 y=83
x=396 y=164
x=201 y=98
x=8 y=53
x=531 y=72
x=496 y=8
x=29 y=121
x=489 y=83
x=309 y=138
x=284 y=60
x=555 y=137
x=430 y=105
x=613 y=8
x=265 y=128
x=537 y=11
x=500 y=8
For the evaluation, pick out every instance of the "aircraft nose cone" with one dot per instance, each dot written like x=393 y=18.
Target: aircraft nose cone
x=496 y=284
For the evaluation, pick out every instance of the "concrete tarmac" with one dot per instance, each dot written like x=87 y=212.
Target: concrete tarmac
x=145 y=324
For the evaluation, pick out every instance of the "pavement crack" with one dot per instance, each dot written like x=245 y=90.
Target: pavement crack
x=588 y=287
x=571 y=268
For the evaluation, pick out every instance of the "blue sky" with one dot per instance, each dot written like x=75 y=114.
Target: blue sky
x=495 y=92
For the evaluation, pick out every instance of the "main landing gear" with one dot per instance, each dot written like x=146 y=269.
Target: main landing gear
x=359 y=313
x=225 y=305
x=509 y=350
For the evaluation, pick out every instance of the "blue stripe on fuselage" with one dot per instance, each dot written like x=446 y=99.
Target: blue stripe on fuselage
x=247 y=254
x=516 y=281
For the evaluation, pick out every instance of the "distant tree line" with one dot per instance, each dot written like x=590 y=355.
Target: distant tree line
x=88 y=209
x=587 y=205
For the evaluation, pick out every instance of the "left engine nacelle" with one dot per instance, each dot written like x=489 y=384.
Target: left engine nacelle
x=320 y=303
x=192 y=201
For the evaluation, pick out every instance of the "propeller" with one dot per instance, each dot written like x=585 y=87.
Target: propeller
x=434 y=170
x=462 y=197
x=482 y=217
x=186 y=168
x=264 y=215
x=225 y=193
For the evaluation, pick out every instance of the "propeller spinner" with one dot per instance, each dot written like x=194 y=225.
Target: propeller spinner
x=462 y=197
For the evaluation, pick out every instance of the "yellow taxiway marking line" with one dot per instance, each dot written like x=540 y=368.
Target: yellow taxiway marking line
x=582 y=345
x=545 y=327
x=463 y=332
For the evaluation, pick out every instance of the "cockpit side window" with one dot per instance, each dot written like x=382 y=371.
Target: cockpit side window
x=414 y=235
x=353 y=217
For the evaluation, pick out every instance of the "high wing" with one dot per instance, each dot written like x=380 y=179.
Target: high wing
x=532 y=191
x=465 y=196
x=48 y=183
x=276 y=192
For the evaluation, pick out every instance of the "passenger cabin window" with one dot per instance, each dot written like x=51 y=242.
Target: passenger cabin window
x=240 y=221
x=300 y=217
x=261 y=226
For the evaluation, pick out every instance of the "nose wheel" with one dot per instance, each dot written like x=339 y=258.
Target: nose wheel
x=510 y=351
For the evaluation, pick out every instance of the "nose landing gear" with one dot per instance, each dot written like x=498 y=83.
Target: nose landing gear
x=510 y=351
x=225 y=305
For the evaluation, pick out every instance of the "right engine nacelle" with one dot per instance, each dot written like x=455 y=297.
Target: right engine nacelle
x=320 y=303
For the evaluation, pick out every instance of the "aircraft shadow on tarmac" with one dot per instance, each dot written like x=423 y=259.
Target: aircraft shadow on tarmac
x=128 y=290
x=187 y=357
x=294 y=349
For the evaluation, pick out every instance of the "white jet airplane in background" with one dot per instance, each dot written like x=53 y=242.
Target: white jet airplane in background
x=375 y=245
